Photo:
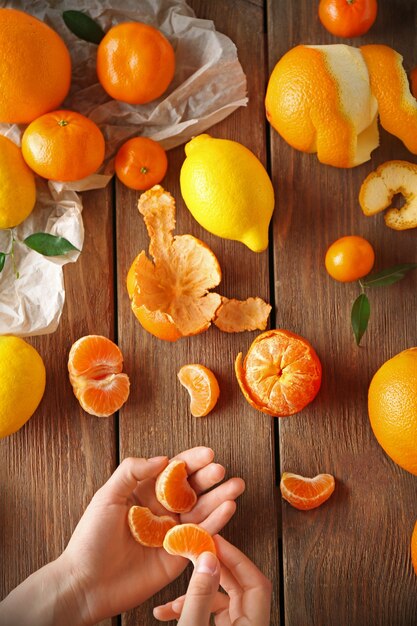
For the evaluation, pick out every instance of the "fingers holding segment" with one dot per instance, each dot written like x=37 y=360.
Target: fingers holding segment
x=130 y=472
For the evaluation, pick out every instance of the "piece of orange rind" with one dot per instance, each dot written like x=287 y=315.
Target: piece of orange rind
x=235 y=316
x=379 y=188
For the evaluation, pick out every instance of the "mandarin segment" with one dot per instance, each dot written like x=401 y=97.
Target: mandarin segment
x=173 y=490
x=202 y=386
x=189 y=541
x=280 y=374
x=306 y=493
x=148 y=529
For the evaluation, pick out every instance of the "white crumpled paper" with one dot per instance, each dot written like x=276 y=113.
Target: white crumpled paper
x=208 y=85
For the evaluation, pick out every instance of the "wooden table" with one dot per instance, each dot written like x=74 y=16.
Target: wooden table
x=344 y=563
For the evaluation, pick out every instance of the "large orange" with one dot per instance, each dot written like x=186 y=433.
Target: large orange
x=392 y=405
x=63 y=145
x=135 y=63
x=35 y=68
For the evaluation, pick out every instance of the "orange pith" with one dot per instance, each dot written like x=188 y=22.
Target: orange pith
x=189 y=541
x=414 y=549
x=349 y=258
x=148 y=529
x=306 y=493
x=280 y=374
x=135 y=62
x=173 y=490
x=389 y=84
x=141 y=163
x=202 y=386
x=63 y=145
x=95 y=366
x=35 y=67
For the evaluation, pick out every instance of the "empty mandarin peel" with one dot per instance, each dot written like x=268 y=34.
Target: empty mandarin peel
x=173 y=490
x=280 y=374
x=306 y=493
x=202 y=386
x=188 y=541
x=148 y=529
x=95 y=366
x=379 y=188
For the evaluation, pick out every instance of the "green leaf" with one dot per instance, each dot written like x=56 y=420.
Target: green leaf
x=361 y=311
x=83 y=26
x=389 y=276
x=2 y=260
x=49 y=245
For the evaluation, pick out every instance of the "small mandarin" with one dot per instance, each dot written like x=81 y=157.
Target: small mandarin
x=349 y=258
x=141 y=163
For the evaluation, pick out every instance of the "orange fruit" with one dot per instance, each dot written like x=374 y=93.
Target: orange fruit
x=95 y=364
x=148 y=529
x=135 y=63
x=306 y=493
x=202 y=385
x=347 y=18
x=414 y=548
x=349 y=258
x=280 y=374
x=390 y=86
x=189 y=541
x=392 y=406
x=173 y=490
x=319 y=100
x=141 y=163
x=35 y=68
x=63 y=145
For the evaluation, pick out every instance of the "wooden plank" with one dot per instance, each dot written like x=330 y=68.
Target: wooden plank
x=156 y=420
x=347 y=562
x=54 y=464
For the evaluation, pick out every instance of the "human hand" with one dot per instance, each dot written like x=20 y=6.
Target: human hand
x=110 y=571
x=248 y=599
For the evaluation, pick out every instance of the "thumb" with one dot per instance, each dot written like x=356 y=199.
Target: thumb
x=201 y=591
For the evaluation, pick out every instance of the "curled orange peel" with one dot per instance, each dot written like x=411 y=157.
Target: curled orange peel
x=170 y=295
x=379 y=188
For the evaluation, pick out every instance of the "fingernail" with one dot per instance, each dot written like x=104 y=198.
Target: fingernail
x=207 y=563
x=157 y=459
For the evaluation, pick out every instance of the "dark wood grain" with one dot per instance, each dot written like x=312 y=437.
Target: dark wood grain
x=157 y=419
x=347 y=562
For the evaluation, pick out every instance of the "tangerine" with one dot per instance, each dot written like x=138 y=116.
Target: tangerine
x=306 y=493
x=414 y=548
x=189 y=541
x=202 y=386
x=141 y=163
x=63 y=145
x=349 y=258
x=95 y=364
x=173 y=490
x=280 y=374
x=135 y=63
x=35 y=68
x=148 y=529
x=347 y=18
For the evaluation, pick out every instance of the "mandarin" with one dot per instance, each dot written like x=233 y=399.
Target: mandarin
x=202 y=385
x=189 y=541
x=148 y=529
x=141 y=163
x=173 y=490
x=135 y=63
x=35 y=68
x=306 y=493
x=17 y=185
x=414 y=548
x=349 y=258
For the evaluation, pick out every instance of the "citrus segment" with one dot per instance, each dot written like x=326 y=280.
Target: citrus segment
x=95 y=366
x=389 y=84
x=17 y=185
x=173 y=490
x=306 y=493
x=392 y=406
x=35 y=67
x=414 y=549
x=235 y=316
x=280 y=374
x=189 y=541
x=148 y=529
x=319 y=100
x=141 y=163
x=379 y=188
x=202 y=386
x=349 y=258
x=22 y=383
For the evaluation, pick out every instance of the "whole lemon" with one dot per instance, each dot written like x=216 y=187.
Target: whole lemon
x=227 y=190
x=392 y=405
x=17 y=185
x=22 y=383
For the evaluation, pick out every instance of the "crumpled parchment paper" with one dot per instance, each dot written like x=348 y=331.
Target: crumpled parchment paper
x=208 y=85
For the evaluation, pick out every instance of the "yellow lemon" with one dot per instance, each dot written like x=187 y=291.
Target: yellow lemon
x=22 y=383
x=17 y=185
x=227 y=190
